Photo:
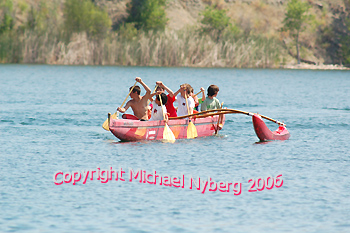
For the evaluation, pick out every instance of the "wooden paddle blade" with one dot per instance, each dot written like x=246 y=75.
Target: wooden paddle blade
x=168 y=135
x=105 y=124
x=191 y=130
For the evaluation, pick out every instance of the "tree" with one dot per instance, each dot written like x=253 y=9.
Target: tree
x=335 y=37
x=296 y=19
x=40 y=18
x=147 y=14
x=84 y=16
x=346 y=35
x=215 y=21
x=6 y=17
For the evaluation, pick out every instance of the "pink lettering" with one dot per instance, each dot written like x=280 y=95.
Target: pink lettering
x=55 y=178
x=223 y=187
x=237 y=191
x=175 y=182
x=92 y=175
x=74 y=177
x=147 y=179
x=121 y=174
x=104 y=176
x=135 y=175
x=167 y=181
x=65 y=177
x=211 y=184
x=86 y=174
x=198 y=187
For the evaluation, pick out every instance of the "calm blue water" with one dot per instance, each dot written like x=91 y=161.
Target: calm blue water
x=51 y=119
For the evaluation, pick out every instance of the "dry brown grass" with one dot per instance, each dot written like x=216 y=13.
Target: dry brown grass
x=258 y=17
x=156 y=49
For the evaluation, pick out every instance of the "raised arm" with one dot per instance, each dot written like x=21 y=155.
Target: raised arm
x=148 y=90
x=161 y=84
x=203 y=94
x=178 y=91
x=155 y=93
x=196 y=102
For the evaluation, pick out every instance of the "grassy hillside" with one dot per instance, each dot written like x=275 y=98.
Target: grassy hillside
x=39 y=35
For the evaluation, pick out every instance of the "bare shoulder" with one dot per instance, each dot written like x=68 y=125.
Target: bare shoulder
x=145 y=98
x=130 y=102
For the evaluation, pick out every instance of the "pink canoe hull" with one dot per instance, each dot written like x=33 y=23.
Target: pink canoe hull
x=135 y=130
x=265 y=134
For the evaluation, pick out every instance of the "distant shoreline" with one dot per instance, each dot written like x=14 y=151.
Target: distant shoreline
x=302 y=66
x=305 y=66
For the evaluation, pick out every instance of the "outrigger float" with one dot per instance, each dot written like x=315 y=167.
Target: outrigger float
x=207 y=123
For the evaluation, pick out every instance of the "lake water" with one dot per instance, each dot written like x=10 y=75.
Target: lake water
x=51 y=119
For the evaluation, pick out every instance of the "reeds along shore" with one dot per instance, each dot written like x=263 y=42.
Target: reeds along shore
x=169 y=48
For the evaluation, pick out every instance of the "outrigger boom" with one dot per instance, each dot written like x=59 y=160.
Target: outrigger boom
x=261 y=130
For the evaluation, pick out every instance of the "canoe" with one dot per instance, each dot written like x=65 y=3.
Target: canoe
x=131 y=129
x=135 y=130
x=265 y=134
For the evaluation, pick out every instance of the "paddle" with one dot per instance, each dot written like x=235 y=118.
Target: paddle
x=214 y=112
x=148 y=104
x=219 y=119
x=168 y=135
x=114 y=116
x=191 y=128
x=152 y=93
x=198 y=93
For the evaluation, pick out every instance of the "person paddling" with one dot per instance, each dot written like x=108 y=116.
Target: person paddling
x=170 y=98
x=159 y=111
x=197 y=101
x=211 y=102
x=185 y=93
x=138 y=103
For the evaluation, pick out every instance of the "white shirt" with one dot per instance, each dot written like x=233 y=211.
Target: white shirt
x=157 y=112
x=181 y=105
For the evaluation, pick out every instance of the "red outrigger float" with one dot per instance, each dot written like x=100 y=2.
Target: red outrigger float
x=206 y=125
x=265 y=134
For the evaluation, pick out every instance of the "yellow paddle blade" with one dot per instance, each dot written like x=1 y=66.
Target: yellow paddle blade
x=168 y=135
x=105 y=124
x=191 y=130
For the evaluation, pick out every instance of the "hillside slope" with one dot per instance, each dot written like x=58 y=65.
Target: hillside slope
x=252 y=17
x=262 y=17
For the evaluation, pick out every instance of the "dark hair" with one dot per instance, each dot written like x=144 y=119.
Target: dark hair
x=212 y=90
x=136 y=89
x=160 y=88
x=164 y=98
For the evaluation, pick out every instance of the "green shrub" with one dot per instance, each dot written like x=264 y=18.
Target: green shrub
x=7 y=16
x=84 y=16
x=39 y=19
x=216 y=21
x=335 y=37
x=127 y=31
x=345 y=46
x=147 y=14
